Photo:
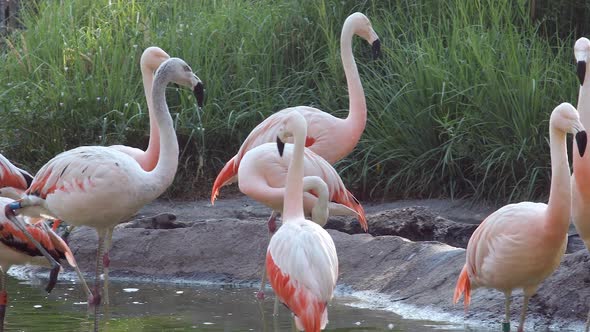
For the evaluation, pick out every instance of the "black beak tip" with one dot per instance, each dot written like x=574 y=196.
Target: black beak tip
x=376 y=49
x=581 y=71
x=199 y=92
x=582 y=141
x=280 y=146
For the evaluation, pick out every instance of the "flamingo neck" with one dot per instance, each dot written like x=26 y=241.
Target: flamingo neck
x=163 y=174
x=559 y=206
x=318 y=186
x=584 y=101
x=357 y=115
x=153 y=150
x=293 y=205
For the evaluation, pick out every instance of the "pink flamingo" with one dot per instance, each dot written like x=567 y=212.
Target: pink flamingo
x=330 y=137
x=151 y=59
x=99 y=186
x=17 y=249
x=520 y=245
x=581 y=176
x=301 y=260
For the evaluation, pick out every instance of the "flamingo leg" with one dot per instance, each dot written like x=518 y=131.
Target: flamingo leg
x=96 y=299
x=9 y=212
x=275 y=310
x=106 y=262
x=587 y=323
x=272 y=228
x=506 y=322
x=3 y=298
x=84 y=284
x=525 y=306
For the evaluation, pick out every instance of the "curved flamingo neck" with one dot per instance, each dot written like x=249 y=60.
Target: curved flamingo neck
x=153 y=150
x=293 y=205
x=163 y=174
x=582 y=164
x=357 y=115
x=559 y=205
x=319 y=213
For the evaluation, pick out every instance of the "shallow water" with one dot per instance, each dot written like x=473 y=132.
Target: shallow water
x=143 y=306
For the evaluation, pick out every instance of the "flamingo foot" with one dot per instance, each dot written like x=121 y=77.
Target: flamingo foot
x=94 y=298
x=106 y=260
x=52 y=278
x=260 y=295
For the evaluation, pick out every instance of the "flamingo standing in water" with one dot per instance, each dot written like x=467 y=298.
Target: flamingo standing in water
x=581 y=176
x=16 y=249
x=100 y=186
x=520 y=245
x=301 y=260
x=328 y=136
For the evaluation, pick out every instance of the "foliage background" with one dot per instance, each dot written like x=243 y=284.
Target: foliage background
x=458 y=104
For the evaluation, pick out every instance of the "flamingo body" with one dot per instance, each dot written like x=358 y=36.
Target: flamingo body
x=13 y=180
x=94 y=186
x=303 y=280
x=262 y=176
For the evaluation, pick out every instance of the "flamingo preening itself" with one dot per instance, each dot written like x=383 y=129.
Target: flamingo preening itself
x=100 y=186
x=581 y=176
x=520 y=245
x=301 y=260
x=330 y=137
x=17 y=249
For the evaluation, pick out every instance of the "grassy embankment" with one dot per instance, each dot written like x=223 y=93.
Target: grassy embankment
x=458 y=105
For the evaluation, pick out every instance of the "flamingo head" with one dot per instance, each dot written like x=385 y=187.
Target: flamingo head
x=153 y=57
x=582 y=53
x=565 y=118
x=364 y=29
x=293 y=126
x=182 y=74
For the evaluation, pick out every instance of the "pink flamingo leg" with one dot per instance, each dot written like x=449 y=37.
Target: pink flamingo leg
x=3 y=299
x=96 y=299
x=272 y=228
x=106 y=262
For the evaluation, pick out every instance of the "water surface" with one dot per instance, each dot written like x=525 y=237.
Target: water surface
x=144 y=306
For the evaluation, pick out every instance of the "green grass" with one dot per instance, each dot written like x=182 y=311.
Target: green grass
x=458 y=104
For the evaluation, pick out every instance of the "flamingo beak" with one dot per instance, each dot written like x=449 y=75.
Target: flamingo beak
x=376 y=49
x=581 y=140
x=199 y=92
x=581 y=71
x=280 y=146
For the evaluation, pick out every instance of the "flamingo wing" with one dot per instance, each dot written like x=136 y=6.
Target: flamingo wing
x=12 y=176
x=13 y=238
x=505 y=243
x=75 y=170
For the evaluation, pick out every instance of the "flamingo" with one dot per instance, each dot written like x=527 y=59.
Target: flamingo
x=16 y=249
x=99 y=186
x=301 y=260
x=262 y=174
x=581 y=176
x=520 y=245
x=328 y=136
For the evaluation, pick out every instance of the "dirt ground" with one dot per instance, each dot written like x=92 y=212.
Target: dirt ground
x=227 y=243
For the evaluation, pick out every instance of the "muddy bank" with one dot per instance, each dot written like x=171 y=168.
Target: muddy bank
x=227 y=243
